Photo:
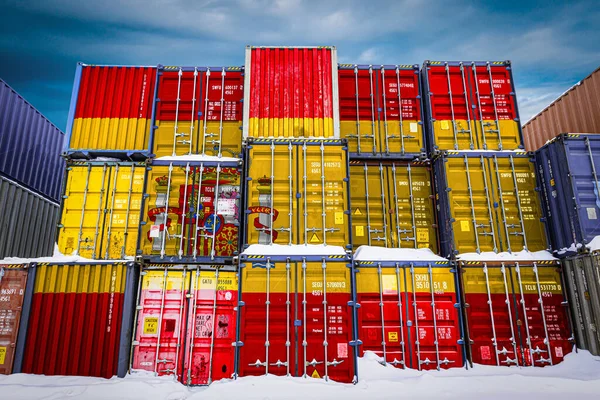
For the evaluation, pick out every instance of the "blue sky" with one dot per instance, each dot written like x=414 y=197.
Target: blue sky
x=552 y=44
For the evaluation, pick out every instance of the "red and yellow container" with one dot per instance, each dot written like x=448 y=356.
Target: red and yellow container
x=111 y=110
x=516 y=312
x=409 y=313
x=296 y=319
x=79 y=319
x=291 y=92
x=186 y=323
x=199 y=111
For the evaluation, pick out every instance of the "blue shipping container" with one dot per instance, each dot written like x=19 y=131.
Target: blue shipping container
x=30 y=145
x=568 y=167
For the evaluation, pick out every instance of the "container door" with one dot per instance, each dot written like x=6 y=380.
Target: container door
x=411 y=212
x=191 y=211
x=453 y=121
x=358 y=109
x=474 y=228
x=370 y=205
x=271 y=195
x=519 y=223
x=159 y=340
x=211 y=327
x=322 y=180
x=495 y=107
x=12 y=290
x=267 y=319
x=400 y=127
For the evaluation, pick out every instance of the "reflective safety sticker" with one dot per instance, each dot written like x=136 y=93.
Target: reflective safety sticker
x=422 y=235
x=392 y=336
x=314 y=238
x=591 y=212
x=360 y=230
x=150 y=325
x=465 y=226
x=357 y=211
x=342 y=350
x=339 y=218
x=414 y=127
x=445 y=124
x=155 y=231
x=315 y=374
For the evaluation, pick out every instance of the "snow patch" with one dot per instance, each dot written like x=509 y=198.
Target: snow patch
x=58 y=258
x=294 y=250
x=197 y=157
x=505 y=256
x=372 y=253
x=594 y=245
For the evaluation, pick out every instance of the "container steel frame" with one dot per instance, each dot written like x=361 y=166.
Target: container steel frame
x=381 y=110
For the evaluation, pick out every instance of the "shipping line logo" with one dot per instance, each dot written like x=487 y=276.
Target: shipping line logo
x=196 y=209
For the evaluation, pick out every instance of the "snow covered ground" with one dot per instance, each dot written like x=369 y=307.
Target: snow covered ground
x=578 y=377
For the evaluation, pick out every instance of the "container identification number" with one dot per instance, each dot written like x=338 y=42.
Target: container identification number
x=317 y=286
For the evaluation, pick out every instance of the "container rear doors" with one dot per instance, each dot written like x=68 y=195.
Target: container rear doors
x=380 y=109
x=13 y=278
x=186 y=324
x=515 y=314
x=409 y=315
x=297 y=193
x=296 y=320
x=199 y=111
x=101 y=209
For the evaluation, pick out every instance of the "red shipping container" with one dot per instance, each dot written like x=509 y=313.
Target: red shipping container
x=13 y=278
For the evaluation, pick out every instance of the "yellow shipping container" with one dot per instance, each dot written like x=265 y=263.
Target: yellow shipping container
x=101 y=209
x=297 y=192
x=392 y=205
x=488 y=202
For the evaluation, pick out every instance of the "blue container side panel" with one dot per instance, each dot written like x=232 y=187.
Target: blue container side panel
x=73 y=106
x=583 y=160
x=30 y=145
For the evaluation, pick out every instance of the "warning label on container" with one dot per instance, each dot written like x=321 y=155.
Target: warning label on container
x=2 y=354
x=360 y=230
x=342 y=350
x=314 y=238
x=465 y=226
x=357 y=211
x=486 y=354
x=155 y=231
x=392 y=336
x=445 y=125
x=339 y=218
x=558 y=352
x=150 y=325
x=591 y=212
x=389 y=284
x=414 y=127
x=422 y=235
x=315 y=374
x=226 y=207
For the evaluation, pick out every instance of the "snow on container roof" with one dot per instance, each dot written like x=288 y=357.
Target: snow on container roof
x=293 y=250
x=197 y=158
x=505 y=256
x=372 y=253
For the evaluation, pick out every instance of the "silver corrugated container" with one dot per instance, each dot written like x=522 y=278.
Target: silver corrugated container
x=27 y=222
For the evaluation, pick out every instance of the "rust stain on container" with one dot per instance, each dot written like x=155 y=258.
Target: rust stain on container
x=577 y=110
x=13 y=278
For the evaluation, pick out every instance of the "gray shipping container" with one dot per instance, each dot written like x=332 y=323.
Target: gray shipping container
x=30 y=145
x=27 y=222
x=582 y=278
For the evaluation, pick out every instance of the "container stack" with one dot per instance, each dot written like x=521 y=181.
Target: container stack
x=491 y=221
x=568 y=166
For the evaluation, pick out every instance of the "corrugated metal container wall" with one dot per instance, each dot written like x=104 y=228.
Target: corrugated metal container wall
x=27 y=222
x=186 y=323
x=299 y=191
x=471 y=105
x=583 y=289
x=111 y=110
x=380 y=110
x=101 y=209
x=30 y=145
x=409 y=313
x=13 y=278
x=191 y=211
x=79 y=319
x=199 y=111
x=568 y=168
x=291 y=92
x=577 y=110
x=488 y=201
x=516 y=313
x=393 y=205
x=295 y=319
